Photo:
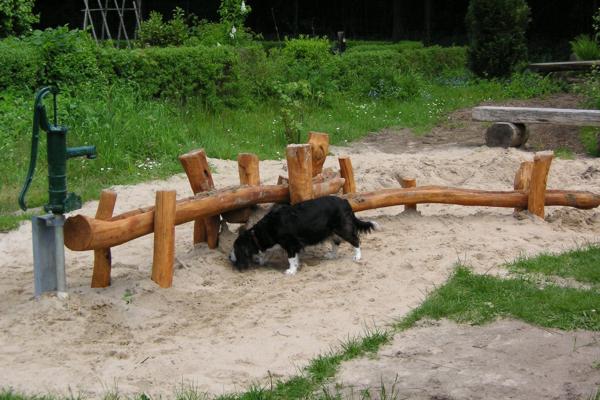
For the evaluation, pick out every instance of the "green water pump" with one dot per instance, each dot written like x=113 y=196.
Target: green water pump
x=58 y=153
x=47 y=230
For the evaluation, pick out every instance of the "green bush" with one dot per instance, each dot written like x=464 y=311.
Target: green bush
x=16 y=17
x=21 y=65
x=399 y=46
x=156 y=32
x=497 y=42
x=585 y=48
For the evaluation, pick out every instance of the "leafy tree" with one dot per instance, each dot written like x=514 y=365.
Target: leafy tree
x=16 y=17
x=233 y=13
x=497 y=42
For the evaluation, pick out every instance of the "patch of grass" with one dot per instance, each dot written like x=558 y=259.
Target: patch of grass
x=478 y=299
x=12 y=221
x=589 y=138
x=564 y=153
x=581 y=264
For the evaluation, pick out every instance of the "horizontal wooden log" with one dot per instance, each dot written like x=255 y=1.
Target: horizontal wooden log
x=466 y=197
x=86 y=233
x=563 y=66
x=531 y=115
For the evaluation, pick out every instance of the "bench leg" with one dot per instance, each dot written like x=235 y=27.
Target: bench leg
x=506 y=134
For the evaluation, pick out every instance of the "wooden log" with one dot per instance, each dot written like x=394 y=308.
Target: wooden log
x=466 y=197
x=299 y=161
x=523 y=179
x=164 y=238
x=563 y=66
x=506 y=134
x=319 y=144
x=347 y=172
x=409 y=183
x=86 y=233
x=532 y=115
x=102 y=257
x=537 y=185
x=195 y=165
x=248 y=169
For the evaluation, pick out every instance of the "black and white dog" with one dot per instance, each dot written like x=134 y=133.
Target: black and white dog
x=303 y=224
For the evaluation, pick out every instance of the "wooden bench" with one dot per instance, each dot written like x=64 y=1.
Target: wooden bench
x=563 y=66
x=509 y=128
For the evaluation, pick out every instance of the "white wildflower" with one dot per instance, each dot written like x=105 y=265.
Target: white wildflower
x=232 y=33
x=243 y=7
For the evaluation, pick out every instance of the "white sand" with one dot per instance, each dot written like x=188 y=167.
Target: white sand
x=222 y=330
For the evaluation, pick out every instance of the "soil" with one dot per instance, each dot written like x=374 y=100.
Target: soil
x=222 y=331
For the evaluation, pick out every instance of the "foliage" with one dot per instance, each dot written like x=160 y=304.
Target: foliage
x=497 y=42
x=585 y=48
x=398 y=46
x=16 y=17
x=20 y=64
x=233 y=14
x=156 y=32
x=291 y=97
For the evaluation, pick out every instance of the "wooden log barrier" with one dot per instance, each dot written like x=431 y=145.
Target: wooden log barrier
x=102 y=257
x=86 y=233
x=409 y=183
x=537 y=186
x=195 y=165
x=319 y=144
x=248 y=169
x=299 y=161
x=347 y=172
x=523 y=179
x=164 y=238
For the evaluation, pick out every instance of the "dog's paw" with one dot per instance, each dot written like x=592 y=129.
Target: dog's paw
x=290 y=271
x=356 y=259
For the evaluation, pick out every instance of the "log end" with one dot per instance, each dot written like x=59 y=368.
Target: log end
x=77 y=233
x=506 y=134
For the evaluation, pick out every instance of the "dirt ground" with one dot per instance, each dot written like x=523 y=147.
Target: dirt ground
x=221 y=330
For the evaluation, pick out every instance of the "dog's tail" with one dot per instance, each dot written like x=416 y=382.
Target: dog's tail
x=366 y=226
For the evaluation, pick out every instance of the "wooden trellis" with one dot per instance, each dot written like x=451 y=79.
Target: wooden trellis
x=103 y=17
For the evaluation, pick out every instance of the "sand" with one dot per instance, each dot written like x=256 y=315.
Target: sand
x=221 y=330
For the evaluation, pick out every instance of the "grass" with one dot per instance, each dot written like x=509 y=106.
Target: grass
x=139 y=139
x=581 y=264
x=589 y=137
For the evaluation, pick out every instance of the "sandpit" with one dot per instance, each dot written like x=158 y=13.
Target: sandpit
x=221 y=330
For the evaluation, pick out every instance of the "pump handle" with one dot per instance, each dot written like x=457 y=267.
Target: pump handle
x=40 y=119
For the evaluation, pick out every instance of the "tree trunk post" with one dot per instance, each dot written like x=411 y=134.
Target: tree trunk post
x=523 y=179
x=195 y=165
x=299 y=161
x=347 y=172
x=319 y=144
x=102 y=257
x=409 y=183
x=164 y=238
x=537 y=186
x=248 y=169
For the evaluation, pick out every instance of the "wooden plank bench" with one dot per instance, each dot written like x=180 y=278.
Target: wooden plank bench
x=509 y=128
x=563 y=66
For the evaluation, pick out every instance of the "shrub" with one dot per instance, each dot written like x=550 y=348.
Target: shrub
x=155 y=32
x=399 y=46
x=233 y=14
x=585 y=48
x=20 y=63
x=497 y=42
x=16 y=17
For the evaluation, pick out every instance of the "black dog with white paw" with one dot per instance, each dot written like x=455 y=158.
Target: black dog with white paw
x=303 y=224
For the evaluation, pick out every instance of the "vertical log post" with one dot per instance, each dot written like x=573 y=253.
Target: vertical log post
x=299 y=161
x=523 y=179
x=248 y=169
x=537 y=186
x=102 y=258
x=164 y=238
x=319 y=144
x=347 y=172
x=195 y=165
x=409 y=183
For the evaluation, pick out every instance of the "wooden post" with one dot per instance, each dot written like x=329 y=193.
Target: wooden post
x=347 y=173
x=299 y=161
x=319 y=144
x=409 y=183
x=248 y=168
x=195 y=165
x=537 y=186
x=523 y=179
x=102 y=257
x=164 y=238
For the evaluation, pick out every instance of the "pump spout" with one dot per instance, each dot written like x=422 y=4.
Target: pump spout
x=88 y=152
